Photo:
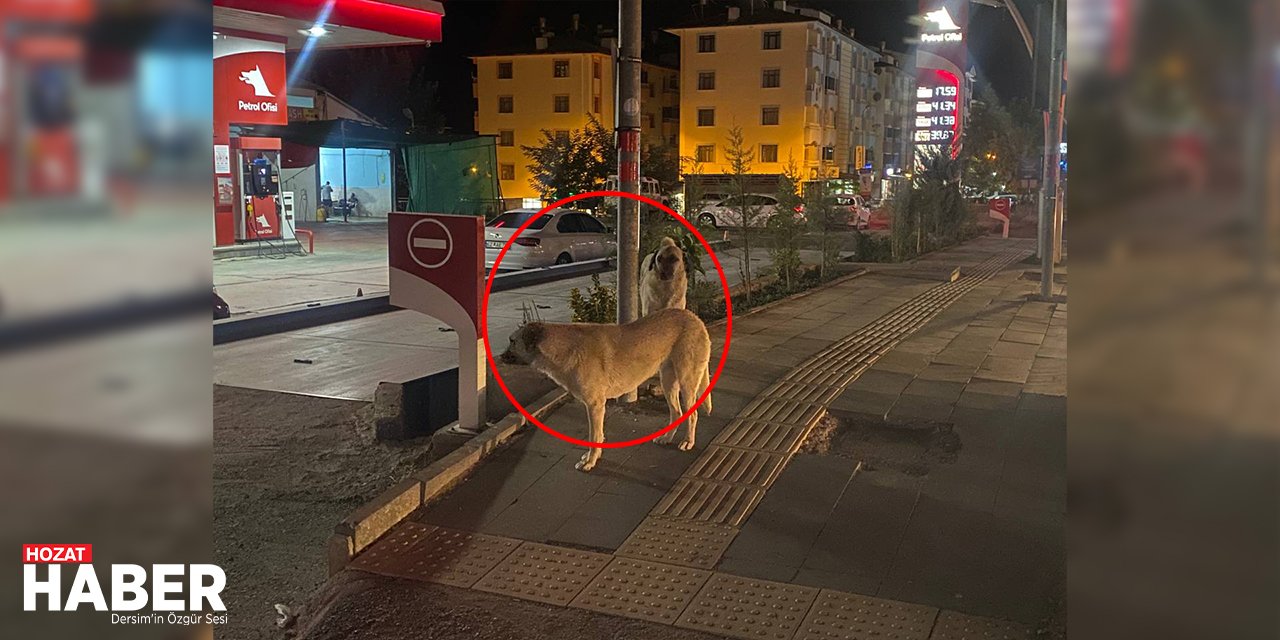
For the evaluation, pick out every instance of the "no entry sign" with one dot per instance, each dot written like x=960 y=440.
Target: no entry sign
x=437 y=268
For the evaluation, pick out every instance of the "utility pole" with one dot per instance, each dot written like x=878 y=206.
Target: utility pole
x=628 y=136
x=1049 y=177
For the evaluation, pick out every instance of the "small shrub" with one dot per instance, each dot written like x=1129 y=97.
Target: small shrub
x=598 y=306
x=873 y=248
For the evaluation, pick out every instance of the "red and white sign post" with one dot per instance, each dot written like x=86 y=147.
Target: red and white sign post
x=998 y=209
x=437 y=268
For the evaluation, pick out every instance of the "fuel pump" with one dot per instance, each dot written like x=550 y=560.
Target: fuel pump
x=261 y=188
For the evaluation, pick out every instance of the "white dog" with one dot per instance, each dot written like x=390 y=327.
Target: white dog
x=663 y=280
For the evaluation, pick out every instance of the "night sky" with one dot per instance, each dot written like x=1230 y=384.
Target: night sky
x=473 y=27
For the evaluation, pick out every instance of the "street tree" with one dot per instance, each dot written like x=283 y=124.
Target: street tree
x=740 y=156
x=576 y=162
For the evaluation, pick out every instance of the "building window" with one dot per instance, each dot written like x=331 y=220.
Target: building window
x=830 y=83
x=561 y=69
x=561 y=104
x=595 y=104
x=768 y=115
x=506 y=138
x=706 y=153
x=670 y=114
x=595 y=69
x=674 y=81
x=706 y=80
x=772 y=40
x=504 y=71
x=768 y=153
x=648 y=120
x=828 y=154
x=644 y=77
x=507 y=172
x=707 y=44
x=771 y=78
x=706 y=117
x=506 y=104
x=839 y=51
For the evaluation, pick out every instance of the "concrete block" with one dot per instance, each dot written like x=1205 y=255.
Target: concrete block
x=375 y=517
x=443 y=473
x=341 y=550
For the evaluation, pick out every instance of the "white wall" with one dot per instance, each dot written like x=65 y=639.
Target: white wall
x=369 y=177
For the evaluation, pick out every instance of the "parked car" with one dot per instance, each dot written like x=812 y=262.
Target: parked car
x=559 y=236
x=727 y=212
x=853 y=204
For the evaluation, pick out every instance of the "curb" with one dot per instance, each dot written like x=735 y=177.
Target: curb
x=374 y=518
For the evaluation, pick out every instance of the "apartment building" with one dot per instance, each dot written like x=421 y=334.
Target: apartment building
x=558 y=84
x=794 y=79
x=897 y=86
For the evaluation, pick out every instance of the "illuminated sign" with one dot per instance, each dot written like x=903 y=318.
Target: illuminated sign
x=945 y=28
x=937 y=108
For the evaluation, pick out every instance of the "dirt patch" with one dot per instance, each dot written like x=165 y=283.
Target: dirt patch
x=360 y=605
x=911 y=447
x=286 y=469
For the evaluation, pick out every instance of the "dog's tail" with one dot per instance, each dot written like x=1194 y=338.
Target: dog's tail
x=706 y=382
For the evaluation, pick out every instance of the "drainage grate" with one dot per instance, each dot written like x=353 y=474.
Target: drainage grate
x=640 y=589
x=544 y=573
x=684 y=542
x=737 y=466
x=442 y=555
x=706 y=501
x=748 y=608
x=962 y=626
x=845 y=616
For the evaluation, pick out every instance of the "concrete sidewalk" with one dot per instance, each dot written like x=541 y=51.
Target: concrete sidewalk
x=891 y=443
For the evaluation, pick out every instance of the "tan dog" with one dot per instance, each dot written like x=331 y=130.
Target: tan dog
x=663 y=281
x=596 y=362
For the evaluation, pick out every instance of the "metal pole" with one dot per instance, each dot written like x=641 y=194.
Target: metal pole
x=342 y=126
x=1048 y=186
x=628 y=134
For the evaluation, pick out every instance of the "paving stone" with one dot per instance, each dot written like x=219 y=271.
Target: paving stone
x=544 y=573
x=748 y=608
x=976 y=400
x=882 y=382
x=446 y=556
x=605 y=520
x=759 y=569
x=837 y=580
x=962 y=357
x=947 y=392
x=863 y=532
x=946 y=372
x=682 y=542
x=865 y=402
x=1026 y=337
x=782 y=528
x=988 y=386
x=952 y=625
x=845 y=616
x=707 y=501
x=642 y=590
x=737 y=466
x=902 y=362
x=910 y=408
x=748 y=433
x=1008 y=349
x=492 y=487
x=1005 y=369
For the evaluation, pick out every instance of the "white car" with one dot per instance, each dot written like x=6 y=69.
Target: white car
x=856 y=207
x=727 y=212
x=559 y=236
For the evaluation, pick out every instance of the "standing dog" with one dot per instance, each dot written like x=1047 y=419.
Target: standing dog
x=596 y=362
x=662 y=279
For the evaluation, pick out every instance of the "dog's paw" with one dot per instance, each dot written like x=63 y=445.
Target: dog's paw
x=686 y=446
x=584 y=466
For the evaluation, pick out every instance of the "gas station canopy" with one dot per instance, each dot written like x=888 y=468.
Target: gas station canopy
x=334 y=23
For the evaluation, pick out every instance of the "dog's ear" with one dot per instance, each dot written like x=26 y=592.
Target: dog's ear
x=653 y=260
x=532 y=335
x=666 y=242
